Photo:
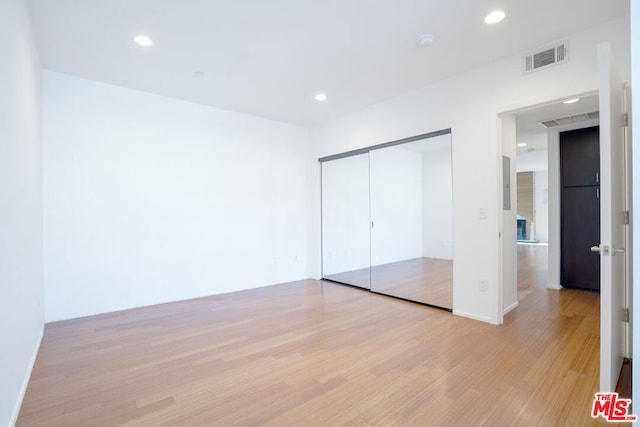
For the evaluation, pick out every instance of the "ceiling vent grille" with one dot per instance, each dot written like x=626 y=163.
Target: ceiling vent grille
x=570 y=119
x=542 y=58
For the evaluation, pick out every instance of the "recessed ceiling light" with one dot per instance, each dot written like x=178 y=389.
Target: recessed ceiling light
x=522 y=144
x=571 y=101
x=143 y=40
x=321 y=97
x=494 y=17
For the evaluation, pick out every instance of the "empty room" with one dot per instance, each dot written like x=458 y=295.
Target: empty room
x=307 y=213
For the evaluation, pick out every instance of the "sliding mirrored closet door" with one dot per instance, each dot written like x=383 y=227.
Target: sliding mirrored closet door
x=387 y=219
x=412 y=225
x=345 y=221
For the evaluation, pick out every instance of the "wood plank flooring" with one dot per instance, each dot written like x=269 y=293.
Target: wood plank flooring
x=319 y=354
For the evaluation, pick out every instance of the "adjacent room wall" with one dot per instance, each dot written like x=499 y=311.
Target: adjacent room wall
x=21 y=312
x=541 y=200
x=554 y=254
x=508 y=230
x=469 y=104
x=149 y=199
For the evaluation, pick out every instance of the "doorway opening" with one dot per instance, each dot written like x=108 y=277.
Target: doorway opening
x=531 y=136
x=614 y=246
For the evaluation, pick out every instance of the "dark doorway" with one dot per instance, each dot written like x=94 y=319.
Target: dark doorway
x=580 y=208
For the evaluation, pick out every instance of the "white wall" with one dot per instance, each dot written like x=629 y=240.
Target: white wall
x=508 y=232
x=21 y=291
x=554 y=254
x=533 y=160
x=149 y=199
x=541 y=201
x=396 y=205
x=469 y=103
x=437 y=203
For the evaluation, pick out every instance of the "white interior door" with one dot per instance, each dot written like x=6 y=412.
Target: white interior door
x=612 y=220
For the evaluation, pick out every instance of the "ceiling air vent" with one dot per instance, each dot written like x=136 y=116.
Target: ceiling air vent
x=570 y=119
x=542 y=58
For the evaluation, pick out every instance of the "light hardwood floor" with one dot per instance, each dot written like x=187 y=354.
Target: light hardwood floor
x=320 y=354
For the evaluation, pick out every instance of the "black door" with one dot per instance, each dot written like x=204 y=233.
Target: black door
x=580 y=208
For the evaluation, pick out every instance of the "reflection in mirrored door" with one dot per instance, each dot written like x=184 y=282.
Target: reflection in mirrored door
x=387 y=219
x=412 y=218
x=345 y=220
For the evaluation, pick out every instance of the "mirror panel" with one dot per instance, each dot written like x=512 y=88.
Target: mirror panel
x=345 y=220
x=412 y=218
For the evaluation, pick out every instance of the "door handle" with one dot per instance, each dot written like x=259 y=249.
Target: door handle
x=600 y=249
x=606 y=250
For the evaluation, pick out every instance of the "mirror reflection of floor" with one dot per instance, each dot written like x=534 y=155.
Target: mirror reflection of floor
x=425 y=280
x=360 y=277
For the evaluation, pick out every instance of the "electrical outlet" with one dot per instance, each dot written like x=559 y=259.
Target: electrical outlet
x=482 y=213
x=484 y=284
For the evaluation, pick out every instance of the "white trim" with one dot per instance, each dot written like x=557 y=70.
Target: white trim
x=27 y=377
x=475 y=317
x=511 y=307
x=554 y=286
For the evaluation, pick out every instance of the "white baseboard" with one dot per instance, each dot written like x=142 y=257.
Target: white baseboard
x=511 y=307
x=474 y=317
x=555 y=286
x=27 y=377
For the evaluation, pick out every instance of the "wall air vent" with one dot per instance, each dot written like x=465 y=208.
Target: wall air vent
x=570 y=119
x=542 y=58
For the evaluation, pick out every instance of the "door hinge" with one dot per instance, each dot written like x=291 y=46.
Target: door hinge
x=626 y=217
x=625 y=314
x=625 y=119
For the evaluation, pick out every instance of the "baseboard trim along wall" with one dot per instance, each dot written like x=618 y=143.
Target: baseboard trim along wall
x=27 y=377
x=511 y=307
x=473 y=316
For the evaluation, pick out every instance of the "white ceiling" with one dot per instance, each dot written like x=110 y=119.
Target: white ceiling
x=528 y=122
x=270 y=58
